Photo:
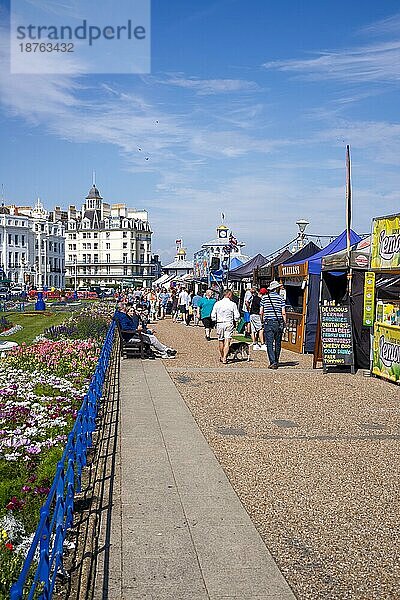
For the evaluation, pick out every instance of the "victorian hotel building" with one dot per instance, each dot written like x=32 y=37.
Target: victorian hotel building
x=29 y=235
x=107 y=245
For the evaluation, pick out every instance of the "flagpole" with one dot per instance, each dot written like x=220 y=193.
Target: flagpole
x=348 y=203
x=348 y=214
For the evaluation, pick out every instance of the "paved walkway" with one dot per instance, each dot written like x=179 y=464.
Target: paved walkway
x=177 y=529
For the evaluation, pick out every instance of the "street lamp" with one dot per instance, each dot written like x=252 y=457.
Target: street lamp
x=301 y=224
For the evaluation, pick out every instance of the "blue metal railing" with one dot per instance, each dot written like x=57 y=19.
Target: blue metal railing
x=56 y=515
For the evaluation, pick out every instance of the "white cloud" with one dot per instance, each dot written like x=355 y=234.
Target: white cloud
x=386 y=26
x=205 y=87
x=378 y=63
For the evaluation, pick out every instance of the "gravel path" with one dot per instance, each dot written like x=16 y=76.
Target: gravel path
x=314 y=458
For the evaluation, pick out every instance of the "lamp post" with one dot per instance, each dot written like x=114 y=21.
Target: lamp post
x=40 y=305
x=301 y=224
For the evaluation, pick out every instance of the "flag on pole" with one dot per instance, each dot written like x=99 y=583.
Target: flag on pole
x=223 y=217
x=233 y=241
x=348 y=203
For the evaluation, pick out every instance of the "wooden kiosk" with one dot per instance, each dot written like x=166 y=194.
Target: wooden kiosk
x=294 y=279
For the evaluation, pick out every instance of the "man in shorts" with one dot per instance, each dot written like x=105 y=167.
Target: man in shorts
x=225 y=313
x=183 y=304
x=245 y=309
x=257 y=331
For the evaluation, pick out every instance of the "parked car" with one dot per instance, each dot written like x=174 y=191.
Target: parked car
x=4 y=294
x=16 y=291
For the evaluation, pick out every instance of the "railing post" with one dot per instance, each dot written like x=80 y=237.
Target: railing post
x=44 y=568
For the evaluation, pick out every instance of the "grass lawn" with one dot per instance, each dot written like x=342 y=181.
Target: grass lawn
x=33 y=324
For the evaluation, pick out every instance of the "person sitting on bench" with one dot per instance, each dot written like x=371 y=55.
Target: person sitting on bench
x=130 y=323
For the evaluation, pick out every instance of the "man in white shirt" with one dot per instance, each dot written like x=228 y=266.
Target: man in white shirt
x=225 y=313
x=183 y=304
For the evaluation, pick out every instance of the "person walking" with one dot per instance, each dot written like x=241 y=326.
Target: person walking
x=205 y=306
x=195 y=308
x=225 y=313
x=245 y=309
x=174 y=305
x=273 y=316
x=254 y=307
x=183 y=304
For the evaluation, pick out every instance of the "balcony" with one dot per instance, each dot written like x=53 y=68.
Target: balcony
x=79 y=263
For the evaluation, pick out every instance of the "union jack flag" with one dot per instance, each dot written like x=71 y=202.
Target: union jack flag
x=233 y=241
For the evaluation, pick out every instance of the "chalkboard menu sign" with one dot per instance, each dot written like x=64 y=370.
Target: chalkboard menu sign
x=336 y=336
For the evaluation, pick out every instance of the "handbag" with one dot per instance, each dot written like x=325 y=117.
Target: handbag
x=280 y=320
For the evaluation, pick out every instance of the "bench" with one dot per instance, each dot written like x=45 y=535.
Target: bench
x=132 y=343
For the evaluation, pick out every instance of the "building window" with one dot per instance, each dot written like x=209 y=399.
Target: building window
x=124 y=245
x=95 y=235
x=108 y=258
x=95 y=246
x=16 y=240
x=108 y=245
x=125 y=257
x=124 y=234
x=125 y=270
x=23 y=240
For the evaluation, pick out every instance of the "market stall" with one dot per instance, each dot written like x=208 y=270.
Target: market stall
x=294 y=277
x=269 y=271
x=301 y=278
x=385 y=266
x=343 y=286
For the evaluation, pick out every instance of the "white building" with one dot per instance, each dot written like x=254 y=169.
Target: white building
x=23 y=230
x=107 y=245
x=180 y=269
x=215 y=255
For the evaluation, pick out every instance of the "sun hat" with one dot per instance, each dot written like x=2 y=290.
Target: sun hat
x=274 y=285
x=263 y=291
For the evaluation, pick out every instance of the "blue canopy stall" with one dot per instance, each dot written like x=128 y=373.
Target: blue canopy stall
x=302 y=283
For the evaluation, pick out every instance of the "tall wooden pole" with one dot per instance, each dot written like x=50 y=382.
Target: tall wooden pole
x=348 y=203
x=348 y=215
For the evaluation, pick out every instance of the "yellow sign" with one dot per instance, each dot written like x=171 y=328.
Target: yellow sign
x=369 y=299
x=385 y=246
x=386 y=352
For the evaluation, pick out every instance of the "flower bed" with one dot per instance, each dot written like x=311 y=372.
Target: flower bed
x=41 y=389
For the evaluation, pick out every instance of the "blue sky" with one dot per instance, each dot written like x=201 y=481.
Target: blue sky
x=247 y=111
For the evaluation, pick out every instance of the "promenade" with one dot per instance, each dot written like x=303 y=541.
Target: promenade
x=220 y=468
x=178 y=530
